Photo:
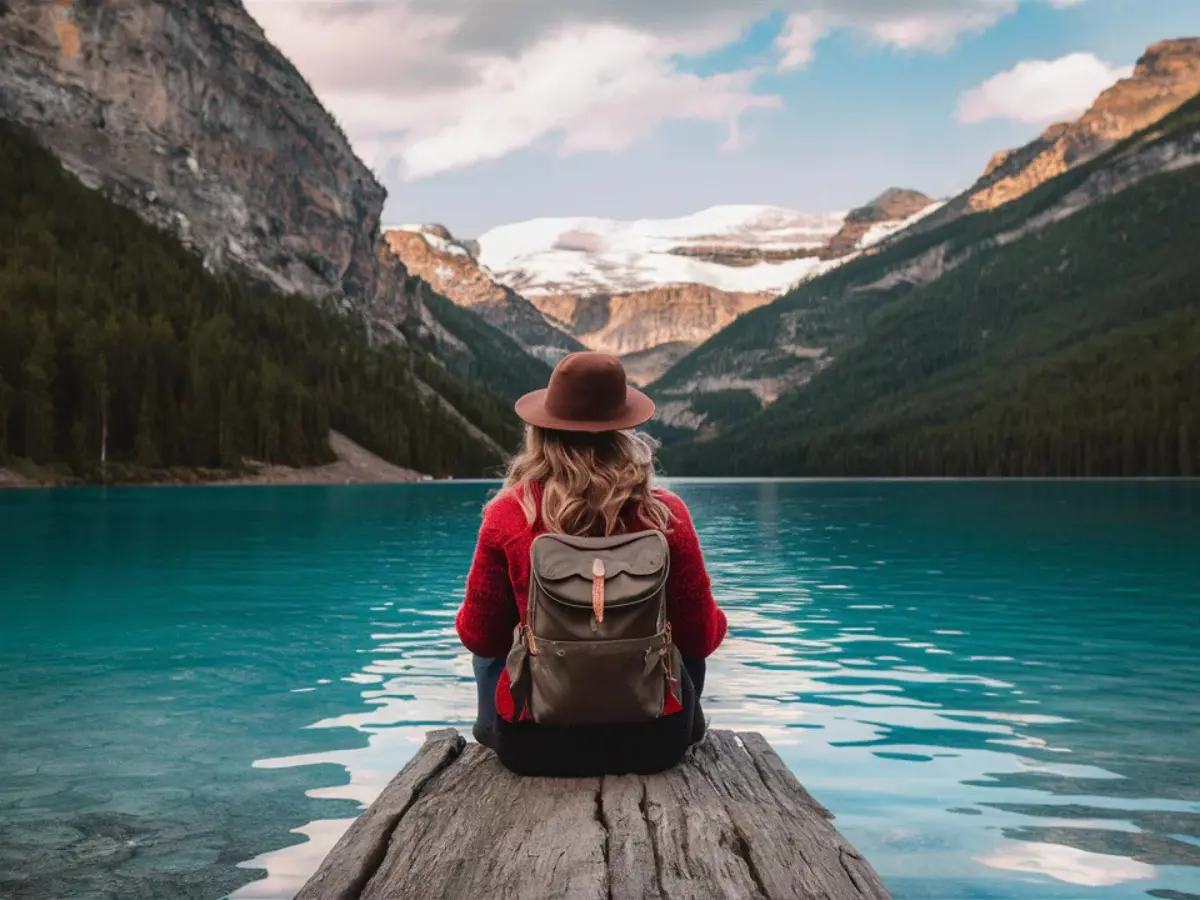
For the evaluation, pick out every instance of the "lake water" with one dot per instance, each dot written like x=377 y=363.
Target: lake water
x=995 y=687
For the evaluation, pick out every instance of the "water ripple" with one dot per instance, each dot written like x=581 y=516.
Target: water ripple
x=994 y=687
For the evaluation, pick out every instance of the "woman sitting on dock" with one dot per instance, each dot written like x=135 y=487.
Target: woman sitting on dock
x=588 y=607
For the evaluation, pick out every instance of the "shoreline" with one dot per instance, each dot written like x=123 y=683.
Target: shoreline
x=354 y=465
x=339 y=473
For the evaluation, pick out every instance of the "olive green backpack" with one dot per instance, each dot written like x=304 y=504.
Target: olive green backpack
x=596 y=646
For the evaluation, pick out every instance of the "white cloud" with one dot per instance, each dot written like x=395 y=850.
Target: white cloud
x=797 y=41
x=1038 y=91
x=597 y=88
x=439 y=85
x=934 y=25
x=937 y=29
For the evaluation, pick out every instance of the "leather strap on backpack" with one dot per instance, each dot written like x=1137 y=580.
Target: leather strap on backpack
x=598 y=590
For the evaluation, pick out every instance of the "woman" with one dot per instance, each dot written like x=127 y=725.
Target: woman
x=583 y=473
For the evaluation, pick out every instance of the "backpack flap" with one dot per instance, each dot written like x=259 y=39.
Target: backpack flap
x=634 y=566
x=598 y=588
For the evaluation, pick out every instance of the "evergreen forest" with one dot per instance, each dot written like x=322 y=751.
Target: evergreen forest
x=122 y=358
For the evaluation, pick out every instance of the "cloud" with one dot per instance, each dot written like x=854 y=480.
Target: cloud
x=934 y=25
x=439 y=85
x=591 y=88
x=1038 y=91
x=797 y=41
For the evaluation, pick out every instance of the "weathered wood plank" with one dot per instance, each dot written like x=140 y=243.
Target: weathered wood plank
x=480 y=831
x=730 y=822
x=359 y=853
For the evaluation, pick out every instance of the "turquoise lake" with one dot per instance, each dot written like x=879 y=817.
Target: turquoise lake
x=994 y=687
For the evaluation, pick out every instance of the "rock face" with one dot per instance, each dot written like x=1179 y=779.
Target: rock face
x=645 y=366
x=649 y=328
x=1166 y=76
x=743 y=256
x=893 y=206
x=449 y=266
x=186 y=113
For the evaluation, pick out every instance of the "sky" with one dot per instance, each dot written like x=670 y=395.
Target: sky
x=477 y=113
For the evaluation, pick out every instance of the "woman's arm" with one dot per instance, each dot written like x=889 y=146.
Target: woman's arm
x=488 y=615
x=698 y=625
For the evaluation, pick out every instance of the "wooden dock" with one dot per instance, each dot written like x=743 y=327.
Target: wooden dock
x=729 y=822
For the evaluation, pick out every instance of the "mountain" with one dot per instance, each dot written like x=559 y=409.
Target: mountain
x=1166 y=76
x=123 y=358
x=867 y=225
x=646 y=328
x=450 y=267
x=781 y=347
x=650 y=289
x=186 y=114
x=1055 y=335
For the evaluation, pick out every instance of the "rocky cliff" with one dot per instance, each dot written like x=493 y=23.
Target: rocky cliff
x=670 y=319
x=187 y=114
x=892 y=207
x=450 y=267
x=1166 y=76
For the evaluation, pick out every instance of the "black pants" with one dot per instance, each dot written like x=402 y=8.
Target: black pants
x=588 y=750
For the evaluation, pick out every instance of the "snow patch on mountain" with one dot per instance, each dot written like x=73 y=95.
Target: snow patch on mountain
x=588 y=255
x=883 y=230
x=432 y=238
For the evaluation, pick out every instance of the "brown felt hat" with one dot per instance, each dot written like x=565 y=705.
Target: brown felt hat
x=587 y=392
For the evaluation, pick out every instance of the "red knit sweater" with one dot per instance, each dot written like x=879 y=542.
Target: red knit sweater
x=498 y=583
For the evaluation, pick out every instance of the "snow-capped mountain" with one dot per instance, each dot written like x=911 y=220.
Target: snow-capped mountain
x=738 y=249
x=655 y=288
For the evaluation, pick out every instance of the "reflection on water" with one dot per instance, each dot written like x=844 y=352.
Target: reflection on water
x=994 y=687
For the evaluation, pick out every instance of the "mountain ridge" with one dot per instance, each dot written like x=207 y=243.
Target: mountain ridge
x=782 y=346
x=188 y=115
x=1166 y=75
x=123 y=359
x=452 y=269
x=1006 y=322
x=648 y=289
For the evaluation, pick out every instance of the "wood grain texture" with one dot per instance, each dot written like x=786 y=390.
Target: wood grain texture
x=731 y=821
x=359 y=853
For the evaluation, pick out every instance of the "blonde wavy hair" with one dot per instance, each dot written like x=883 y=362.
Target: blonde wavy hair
x=586 y=481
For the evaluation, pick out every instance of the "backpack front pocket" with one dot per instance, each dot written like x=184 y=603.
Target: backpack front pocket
x=599 y=682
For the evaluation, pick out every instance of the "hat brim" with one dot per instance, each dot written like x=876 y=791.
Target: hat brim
x=638 y=410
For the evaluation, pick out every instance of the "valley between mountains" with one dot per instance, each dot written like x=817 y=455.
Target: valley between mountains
x=196 y=281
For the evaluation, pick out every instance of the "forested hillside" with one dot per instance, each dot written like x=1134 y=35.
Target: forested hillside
x=1071 y=349
x=115 y=343
x=489 y=356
